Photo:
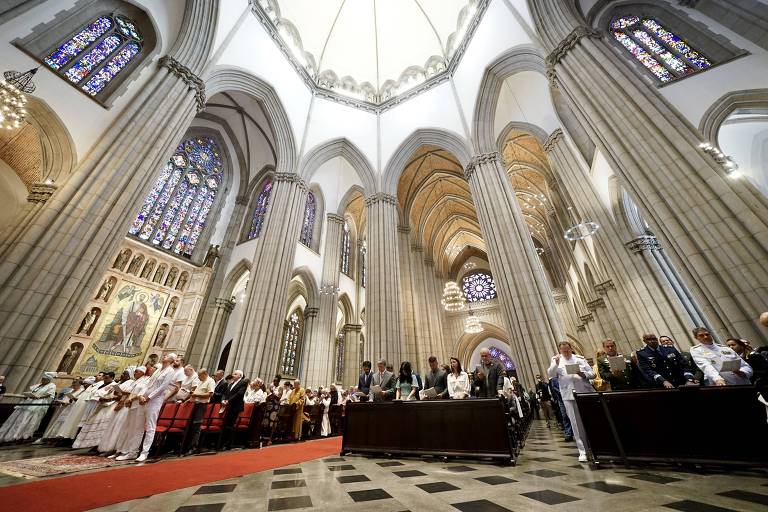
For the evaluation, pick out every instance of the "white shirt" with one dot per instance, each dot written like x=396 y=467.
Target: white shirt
x=254 y=397
x=458 y=387
x=710 y=357
x=161 y=382
x=571 y=383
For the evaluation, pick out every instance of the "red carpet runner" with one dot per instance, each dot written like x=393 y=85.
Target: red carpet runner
x=76 y=493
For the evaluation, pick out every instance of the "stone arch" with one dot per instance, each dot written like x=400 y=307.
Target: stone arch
x=467 y=343
x=311 y=290
x=254 y=189
x=718 y=112
x=230 y=78
x=515 y=60
x=349 y=310
x=347 y=198
x=450 y=141
x=234 y=275
x=343 y=147
x=59 y=155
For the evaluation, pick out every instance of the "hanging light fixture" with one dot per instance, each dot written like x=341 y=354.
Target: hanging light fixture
x=469 y=265
x=453 y=298
x=13 y=99
x=472 y=324
x=580 y=230
x=329 y=289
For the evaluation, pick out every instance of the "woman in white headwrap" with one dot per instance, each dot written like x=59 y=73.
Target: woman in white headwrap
x=130 y=434
x=109 y=439
x=100 y=419
x=27 y=416
x=76 y=412
x=70 y=396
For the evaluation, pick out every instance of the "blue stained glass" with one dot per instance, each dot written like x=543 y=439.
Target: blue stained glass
x=308 y=226
x=478 y=287
x=677 y=44
x=79 y=42
x=668 y=58
x=345 y=243
x=340 y=357
x=127 y=27
x=260 y=210
x=626 y=21
x=181 y=199
x=93 y=58
x=291 y=345
x=102 y=77
x=643 y=57
x=503 y=358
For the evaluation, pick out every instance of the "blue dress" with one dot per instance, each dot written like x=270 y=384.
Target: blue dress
x=406 y=387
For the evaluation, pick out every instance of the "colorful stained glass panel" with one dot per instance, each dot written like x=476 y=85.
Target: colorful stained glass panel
x=79 y=42
x=643 y=57
x=101 y=78
x=260 y=211
x=677 y=44
x=502 y=357
x=127 y=27
x=626 y=21
x=478 y=287
x=93 y=58
x=308 y=226
x=662 y=53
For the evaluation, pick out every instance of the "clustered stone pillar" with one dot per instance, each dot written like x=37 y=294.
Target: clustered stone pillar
x=715 y=228
x=383 y=321
x=528 y=307
x=50 y=271
x=351 y=354
x=411 y=340
x=216 y=326
x=433 y=292
x=39 y=194
x=321 y=347
x=257 y=346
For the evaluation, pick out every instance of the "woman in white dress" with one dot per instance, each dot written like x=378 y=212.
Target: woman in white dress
x=132 y=430
x=68 y=399
x=254 y=394
x=75 y=413
x=26 y=417
x=100 y=419
x=109 y=439
x=458 y=381
x=325 y=426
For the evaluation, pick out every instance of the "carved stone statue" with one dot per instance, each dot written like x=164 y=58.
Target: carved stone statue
x=86 y=326
x=106 y=288
x=69 y=359
x=122 y=259
x=148 y=268
x=183 y=278
x=211 y=256
x=171 y=276
x=172 y=305
x=133 y=268
x=162 y=333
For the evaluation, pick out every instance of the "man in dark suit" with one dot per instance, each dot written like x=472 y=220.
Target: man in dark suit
x=386 y=380
x=365 y=380
x=221 y=386
x=662 y=366
x=437 y=378
x=233 y=404
x=488 y=377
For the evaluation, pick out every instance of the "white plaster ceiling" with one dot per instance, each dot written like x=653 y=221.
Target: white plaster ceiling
x=371 y=50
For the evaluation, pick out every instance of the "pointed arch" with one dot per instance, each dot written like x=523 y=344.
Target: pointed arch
x=447 y=140
x=724 y=106
x=234 y=275
x=467 y=343
x=343 y=147
x=59 y=155
x=312 y=292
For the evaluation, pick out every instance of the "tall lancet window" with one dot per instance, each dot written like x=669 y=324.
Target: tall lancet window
x=260 y=210
x=308 y=226
x=345 y=241
x=174 y=212
x=291 y=349
x=97 y=53
x=662 y=52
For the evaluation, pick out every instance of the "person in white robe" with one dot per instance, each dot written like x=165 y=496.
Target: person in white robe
x=325 y=426
x=99 y=421
x=26 y=417
x=74 y=414
x=255 y=394
x=129 y=437
x=68 y=398
x=188 y=384
x=109 y=439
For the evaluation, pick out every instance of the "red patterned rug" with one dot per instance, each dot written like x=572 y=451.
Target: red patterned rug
x=55 y=465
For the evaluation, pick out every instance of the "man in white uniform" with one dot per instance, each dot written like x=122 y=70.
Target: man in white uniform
x=162 y=385
x=570 y=383
x=709 y=356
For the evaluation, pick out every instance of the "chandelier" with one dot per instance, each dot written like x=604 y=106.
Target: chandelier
x=329 y=289
x=469 y=265
x=580 y=230
x=472 y=324
x=453 y=299
x=12 y=97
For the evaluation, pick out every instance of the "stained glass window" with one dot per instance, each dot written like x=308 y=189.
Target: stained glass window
x=478 y=286
x=502 y=357
x=260 y=210
x=308 y=226
x=175 y=210
x=663 y=53
x=104 y=47
x=345 y=241
x=291 y=345
x=363 y=264
x=339 y=373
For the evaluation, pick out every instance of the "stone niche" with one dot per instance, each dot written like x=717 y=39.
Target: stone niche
x=146 y=304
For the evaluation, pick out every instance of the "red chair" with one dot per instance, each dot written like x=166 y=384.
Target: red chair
x=180 y=423
x=244 y=421
x=213 y=422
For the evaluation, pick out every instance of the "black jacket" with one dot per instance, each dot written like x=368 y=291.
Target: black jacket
x=364 y=382
x=218 y=391
x=665 y=363
x=234 y=395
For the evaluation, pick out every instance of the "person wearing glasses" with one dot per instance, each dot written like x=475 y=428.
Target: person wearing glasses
x=662 y=367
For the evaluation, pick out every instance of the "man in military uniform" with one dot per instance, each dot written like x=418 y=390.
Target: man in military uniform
x=709 y=356
x=698 y=375
x=618 y=378
x=662 y=366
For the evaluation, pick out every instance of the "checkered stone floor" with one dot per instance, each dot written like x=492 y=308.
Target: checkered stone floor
x=547 y=477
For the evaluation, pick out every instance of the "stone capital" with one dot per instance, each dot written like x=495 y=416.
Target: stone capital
x=560 y=297
x=429 y=262
x=291 y=177
x=403 y=229
x=564 y=46
x=581 y=328
x=41 y=192
x=596 y=304
x=353 y=327
x=311 y=312
x=602 y=288
x=415 y=247
x=194 y=83
x=644 y=243
x=332 y=217
x=553 y=139
x=380 y=197
x=225 y=304
x=241 y=200
x=587 y=318
x=477 y=160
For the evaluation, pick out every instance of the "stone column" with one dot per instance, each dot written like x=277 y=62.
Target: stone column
x=525 y=296
x=716 y=228
x=351 y=354
x=384 y=324
x=321 y=347
x=310 y=329
x=206 y=339
x=39 y=194
x=217 y=325
x=643 y=301
x=420 y=306
x=434 y=314
x=48 y=275
x=411 y=340
x=257 y=347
